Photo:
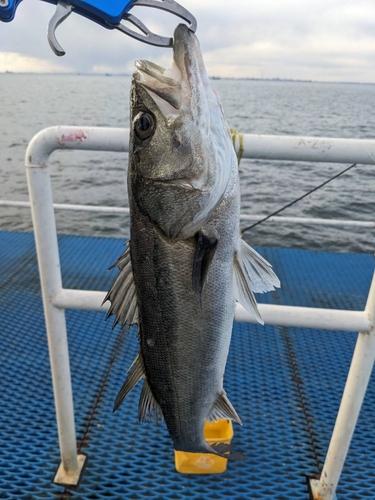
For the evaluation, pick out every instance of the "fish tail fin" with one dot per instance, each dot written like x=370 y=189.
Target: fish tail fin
x=225 y=450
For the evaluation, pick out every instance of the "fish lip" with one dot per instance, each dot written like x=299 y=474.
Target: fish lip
x=174 y=88
x=164 y=86
x=150 y=69
x=182 y=34
x=185 y=50
x=183 y=42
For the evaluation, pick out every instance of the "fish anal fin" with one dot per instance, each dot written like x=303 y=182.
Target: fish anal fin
x=135 y=373
x=148 y=406
x=223 y=409
x=204 y=251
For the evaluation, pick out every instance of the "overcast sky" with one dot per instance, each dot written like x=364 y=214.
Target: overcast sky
x=326 y=40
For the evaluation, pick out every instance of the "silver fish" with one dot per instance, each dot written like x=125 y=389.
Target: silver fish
x=185 y=265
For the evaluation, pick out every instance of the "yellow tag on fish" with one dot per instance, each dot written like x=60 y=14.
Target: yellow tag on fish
x=206 y=463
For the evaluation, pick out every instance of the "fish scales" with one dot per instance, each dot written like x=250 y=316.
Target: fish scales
x=184 y=344
x=188 y=264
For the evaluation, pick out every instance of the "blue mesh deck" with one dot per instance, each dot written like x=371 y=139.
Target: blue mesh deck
x=285 y=383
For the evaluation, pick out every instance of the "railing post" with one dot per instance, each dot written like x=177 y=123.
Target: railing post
x=351 y=403
x=40 y=192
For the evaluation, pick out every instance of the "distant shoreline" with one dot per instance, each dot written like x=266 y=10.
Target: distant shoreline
x=253 y=79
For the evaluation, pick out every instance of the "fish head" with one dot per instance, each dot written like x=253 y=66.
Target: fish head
x=181 y=154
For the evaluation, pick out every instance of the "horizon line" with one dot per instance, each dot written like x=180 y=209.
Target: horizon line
x=212 y=77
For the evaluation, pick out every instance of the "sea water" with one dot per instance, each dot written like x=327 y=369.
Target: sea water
x=29 y=103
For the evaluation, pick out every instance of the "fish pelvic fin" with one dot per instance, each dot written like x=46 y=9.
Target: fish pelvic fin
x=122 y=294
x=148 y=406
x=204 y=251
x=223 y=409
x=252 y=273
x=135 y=373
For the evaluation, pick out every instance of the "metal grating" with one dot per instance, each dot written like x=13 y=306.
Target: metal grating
x=286 y=385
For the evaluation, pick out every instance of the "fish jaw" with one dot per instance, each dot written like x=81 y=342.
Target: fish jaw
x=185 y=164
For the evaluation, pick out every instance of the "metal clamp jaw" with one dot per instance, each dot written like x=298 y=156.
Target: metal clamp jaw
x=108 y=14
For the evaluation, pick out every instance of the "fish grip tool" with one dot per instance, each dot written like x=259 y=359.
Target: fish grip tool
x=110 y=15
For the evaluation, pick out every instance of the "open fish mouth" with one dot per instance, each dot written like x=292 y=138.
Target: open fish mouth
x=173 y=89
x=165 y=90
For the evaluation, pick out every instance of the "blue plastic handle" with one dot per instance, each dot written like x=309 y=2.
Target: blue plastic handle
x=102 y=11
x=8 y=10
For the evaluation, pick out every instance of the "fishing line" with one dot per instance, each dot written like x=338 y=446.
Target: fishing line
x=298 y=199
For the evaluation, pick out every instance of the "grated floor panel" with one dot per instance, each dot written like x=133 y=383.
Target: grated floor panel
x=285 y=383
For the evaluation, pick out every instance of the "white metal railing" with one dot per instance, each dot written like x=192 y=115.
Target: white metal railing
x=56 y=299
x=126 y=211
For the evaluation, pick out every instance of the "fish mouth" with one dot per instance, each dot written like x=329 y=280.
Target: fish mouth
x=161 y=84
x=174 y=87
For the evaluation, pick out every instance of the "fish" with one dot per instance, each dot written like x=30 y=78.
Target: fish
x=185 y=265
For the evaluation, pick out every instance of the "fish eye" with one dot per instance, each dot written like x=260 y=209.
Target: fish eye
x=144 y=125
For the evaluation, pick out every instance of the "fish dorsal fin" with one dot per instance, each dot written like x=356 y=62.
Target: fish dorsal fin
x=252 y=273
x=223 y=409
x=204 y=251
x=135 y=373
x=148 y=406
x=122 y=294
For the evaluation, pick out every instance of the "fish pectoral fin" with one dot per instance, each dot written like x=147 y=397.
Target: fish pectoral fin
x=148 y=406
x=223 y=409
x=135 y=373
x=122 y=294
x=204 y=251
x=252 y=273
x=259 y=271
x=243 y=293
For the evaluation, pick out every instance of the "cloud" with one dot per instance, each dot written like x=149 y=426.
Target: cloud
x=12 y=61
x=329 y=41
x=313 y=39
